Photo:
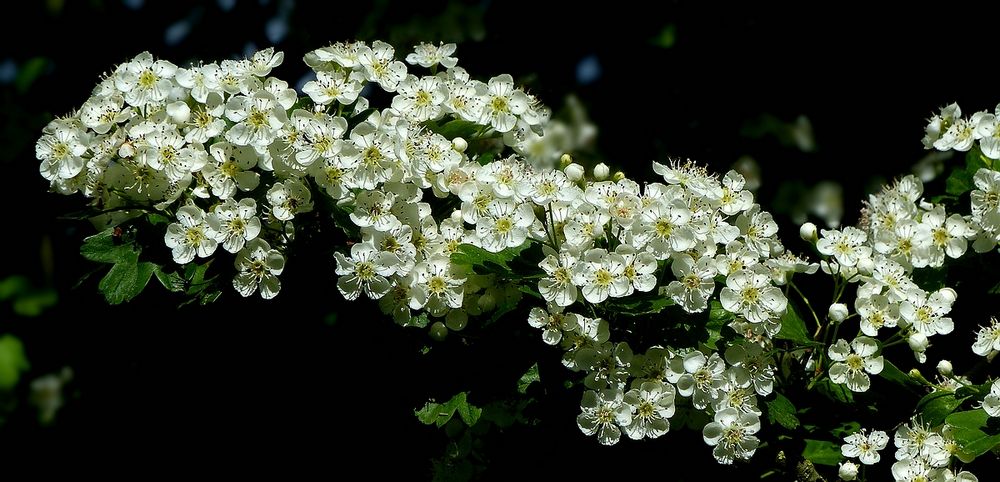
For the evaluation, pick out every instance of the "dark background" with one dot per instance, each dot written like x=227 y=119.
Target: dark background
x=263 y=380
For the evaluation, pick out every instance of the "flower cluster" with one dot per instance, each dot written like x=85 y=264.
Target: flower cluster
x=922 y=453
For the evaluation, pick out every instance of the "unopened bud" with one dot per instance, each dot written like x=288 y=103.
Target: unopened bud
x=601 y=171
x=618 y=176
x=918 y=342
x=808 y=232
x=574 y=172
x=565 y=160
x=949 y=294
x=838 y=312
x=459 y=144
x=848 y=471
x=944 y=368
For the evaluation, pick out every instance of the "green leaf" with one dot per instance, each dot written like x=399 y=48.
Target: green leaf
x=33 y=303
x=104 y=247
x=29 y=72
x=12 y=361
x=440 y=413
x=935 y=407
x=822 y=452
x=895 y=375
x=13 y=286
x=977 y=391
x=172 y=281
x=961 y=180
x=485 y=158
x=968 y=431
x=835 y=392
x=457 y=128
x=639 y=305
x=793 y=328
x=126 y=279
x=782 y=411
x=529 y=377
x=485 y=262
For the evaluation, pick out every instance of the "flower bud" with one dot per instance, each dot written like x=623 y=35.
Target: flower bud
x=601 y=171
x=179 y=112
x=866 y=266
x=574 y=172
x=918 y=342
x=808 y=232
x=838 y=312
x=459 y=144
x=944 y=368
x=565 y=160
x=456 y=215
x=618 y=176
x=949 y=294
x=848 y=471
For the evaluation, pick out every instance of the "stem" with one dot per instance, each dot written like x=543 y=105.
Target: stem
x=805 y=301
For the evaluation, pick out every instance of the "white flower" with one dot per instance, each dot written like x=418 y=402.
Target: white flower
x=557 y=286
x=428 y=55
x=259 y=267
x=917 y=441
x=436 y=287
x=365 y=271
x=926 y=314
x=986 y=199
x=652 y=404
x=205 y=121
x=258 y=119
x=734 y=199
x=947 y=236
x=758 y=229
x=338 y=85
x=694 y=283
x=234 y=224
x=960 y=136
x=502 y=103
x=600 y=275
x=750 y=294
x=876 y=312
x=732 y=435
x=603 y=413
x=60 y=153
x=640 y=268
x=752 y=358
x=552 y=323
x=189 y=236
x=664 y=229
x=289 y=198
x=145 y=81
x=264 y=60
x=166 y=152
x=865 y=446
x=913 y=470
x=987 y=339
x=420 y=99
x=992 y=401
x=851 y=368
x=505 y=225
x=702 y=378
x=232 y=169
x=379 y=65
x=940 y=123
x=848 y=246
